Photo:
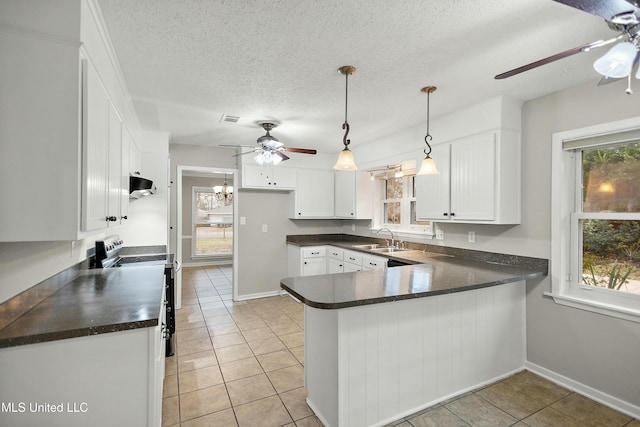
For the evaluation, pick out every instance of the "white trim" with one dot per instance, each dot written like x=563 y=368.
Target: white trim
x=565 y=289
x=590 y=392
x=260 y=295
x=207 y=170
x=226 y=261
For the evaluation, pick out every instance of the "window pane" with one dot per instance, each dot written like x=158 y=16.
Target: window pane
x=213 y=228
x=611 y=178
x=392 y=213
x=394 y=188
x=611 y=254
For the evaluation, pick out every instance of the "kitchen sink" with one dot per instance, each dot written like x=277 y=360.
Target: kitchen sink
x=387 y=250
x=367 y=247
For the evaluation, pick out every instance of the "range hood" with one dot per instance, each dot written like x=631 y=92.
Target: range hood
x=139 y=187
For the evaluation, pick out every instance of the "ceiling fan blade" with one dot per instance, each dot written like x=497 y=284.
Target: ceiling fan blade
x=236 y=146
x=557 y=56
x=242 y=154
x=299 y=150
x=604 y=9
x=281 y=154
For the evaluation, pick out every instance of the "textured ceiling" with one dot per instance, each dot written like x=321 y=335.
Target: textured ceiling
x=188 y=62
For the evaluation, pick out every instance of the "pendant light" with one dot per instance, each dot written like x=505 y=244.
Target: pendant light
x=345 y=160
x=428 y=166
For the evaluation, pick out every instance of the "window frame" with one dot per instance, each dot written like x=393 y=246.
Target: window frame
x=406 y=228
x=566 y=237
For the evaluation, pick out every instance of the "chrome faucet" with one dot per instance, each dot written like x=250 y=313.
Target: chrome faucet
x=390 y=232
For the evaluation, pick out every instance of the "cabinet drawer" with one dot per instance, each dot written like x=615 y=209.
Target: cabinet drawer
x=314 y=252
x=370 y=262
x=335 y=253
x=353 y=257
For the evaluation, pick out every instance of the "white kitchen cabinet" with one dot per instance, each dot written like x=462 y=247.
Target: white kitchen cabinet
x=314 y=195
x=479 y=181
x=102 y=155
x=268 y=177
x=313 y=260
x=335 y=260
x=48 y=90
x=334 y=266
x=352 y=261
x=114 y=376
x=373 y=262
x=124 y=174
x=353 y=195
x=39 y=136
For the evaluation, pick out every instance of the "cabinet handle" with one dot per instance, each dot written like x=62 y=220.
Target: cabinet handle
x=275 y=183
x=305 y=262
x=352 y=259
x=124 y=217
x=339 y=265
x=445 y=214
x=315 y=253
x=111 y=219
x=373 y=264
x=452 y=213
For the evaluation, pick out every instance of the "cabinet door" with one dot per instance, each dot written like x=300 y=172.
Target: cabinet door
x=371 y=262
x=268 y=177
x=314 y=266
x=335 y=266
x=314 y=195
x=348 y=267
x=124 y=175
x=345 y=194
x=284 y=178
x=432 y=191
x=473 y=178
x=115 y=166
x=95 y=151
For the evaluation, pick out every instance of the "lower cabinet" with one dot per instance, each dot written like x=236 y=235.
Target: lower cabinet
x=313 y=260
x=108 y=379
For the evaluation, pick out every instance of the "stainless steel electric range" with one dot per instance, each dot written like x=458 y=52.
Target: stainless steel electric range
x=109 y=253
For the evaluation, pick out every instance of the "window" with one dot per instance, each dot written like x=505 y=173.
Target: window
x=396 y=203
x=212 y=223
x=596 y=219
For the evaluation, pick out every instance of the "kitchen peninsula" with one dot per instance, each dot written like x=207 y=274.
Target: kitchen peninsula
x=384 y=343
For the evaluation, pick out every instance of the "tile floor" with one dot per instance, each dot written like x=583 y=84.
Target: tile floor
x=240 y=364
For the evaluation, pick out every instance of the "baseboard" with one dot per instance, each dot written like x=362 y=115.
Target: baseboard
x=590 y=392
x=207 y=263
x=260 y=295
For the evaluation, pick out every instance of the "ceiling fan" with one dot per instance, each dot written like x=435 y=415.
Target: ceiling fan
x=270 y=150
x=620 y=15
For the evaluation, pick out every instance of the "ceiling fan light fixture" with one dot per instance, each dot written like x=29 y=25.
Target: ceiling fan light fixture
x=618 y=61
x=428 y=166
x=345 y=159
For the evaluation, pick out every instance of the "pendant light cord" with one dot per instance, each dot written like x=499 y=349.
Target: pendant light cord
x=345 y=125
x=427 y=137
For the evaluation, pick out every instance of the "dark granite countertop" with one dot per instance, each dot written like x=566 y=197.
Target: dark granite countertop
x=95 y=302
x=431 y=273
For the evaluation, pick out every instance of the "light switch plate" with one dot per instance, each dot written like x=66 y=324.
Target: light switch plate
x=472 y=237
x=264 y=228
x=243 y=220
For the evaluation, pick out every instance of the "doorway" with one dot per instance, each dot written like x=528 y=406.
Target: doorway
x=206 y=213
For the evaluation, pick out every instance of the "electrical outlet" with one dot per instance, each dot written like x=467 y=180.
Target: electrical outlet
x=472 y=237
x=243 y=220
x=353 y=227
x=439 y=232
x=264 y=228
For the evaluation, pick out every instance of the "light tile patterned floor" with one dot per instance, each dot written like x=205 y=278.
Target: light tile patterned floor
x=241 y=364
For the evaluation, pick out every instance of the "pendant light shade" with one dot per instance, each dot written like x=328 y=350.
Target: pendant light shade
x=618 y=61
x=345 y=160
x=428 y=166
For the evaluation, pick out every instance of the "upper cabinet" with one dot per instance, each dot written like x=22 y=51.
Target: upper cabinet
x=268 y=177
x=479 y=181
x=60 y=133
x=314 y=195
x=353 y=195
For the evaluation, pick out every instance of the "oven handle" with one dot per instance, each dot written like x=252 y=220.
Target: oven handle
x=177 y=264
